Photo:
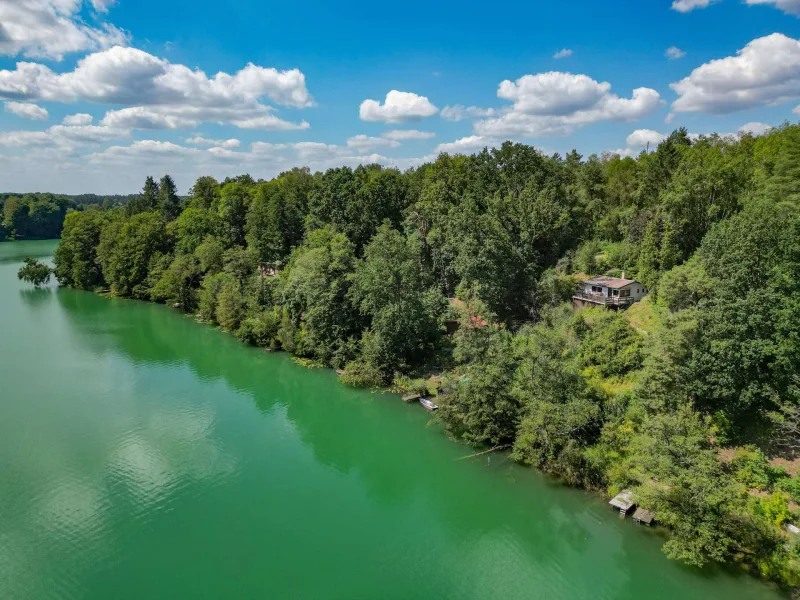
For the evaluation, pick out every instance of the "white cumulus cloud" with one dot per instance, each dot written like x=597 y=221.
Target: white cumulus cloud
x=791 y=7
x=408 y=134
x=755 y=128
x=198 y=140
x=689 y=5
x=160 y=94
x=641 y=138
x=52 y=28
x=557 y=103
x=466 y=145
x=365 y=143
x=269 y=123
x=27 y=110
x=765 y=72
x=64 y=136
x=564 y=53
x=459 y=112
x=398 y=107
x=78 y=119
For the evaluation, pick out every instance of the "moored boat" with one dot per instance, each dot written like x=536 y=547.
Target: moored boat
x=428 y=404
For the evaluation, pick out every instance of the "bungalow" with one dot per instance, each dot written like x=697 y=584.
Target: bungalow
x=611 y=292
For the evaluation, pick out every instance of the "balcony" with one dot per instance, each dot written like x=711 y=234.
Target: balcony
x=600 y=300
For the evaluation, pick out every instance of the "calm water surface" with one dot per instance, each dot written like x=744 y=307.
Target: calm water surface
x=145 y=456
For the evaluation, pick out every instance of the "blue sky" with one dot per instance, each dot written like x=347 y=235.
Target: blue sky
x=129 y=69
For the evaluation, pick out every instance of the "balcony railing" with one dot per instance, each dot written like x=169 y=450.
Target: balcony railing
x=602 y=300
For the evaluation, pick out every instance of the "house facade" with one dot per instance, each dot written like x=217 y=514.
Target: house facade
x=611 y=292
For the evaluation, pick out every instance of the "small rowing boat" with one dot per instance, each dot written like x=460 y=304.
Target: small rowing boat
x=428 y=404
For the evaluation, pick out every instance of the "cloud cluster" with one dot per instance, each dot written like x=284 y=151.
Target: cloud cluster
x=459 y=112
x=161 y=95
x=765 y=72
x=26 y=110
x=365 y=143
x=685 y=6
x=408 y=134
x=64 y=136
x=77 y=119
x=398 y=107
x=564 y=53
x=53 y=28
x=557 y=103
x=465 y=145
x=199 y=140
x=791 y=7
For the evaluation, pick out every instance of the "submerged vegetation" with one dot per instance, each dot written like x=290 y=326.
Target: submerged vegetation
x=687 y=398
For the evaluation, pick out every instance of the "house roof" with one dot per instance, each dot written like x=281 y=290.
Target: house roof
x=610 y=282
x=645 y=516
x=623 y=500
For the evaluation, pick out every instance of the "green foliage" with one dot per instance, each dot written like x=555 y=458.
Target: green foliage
x=204 y=193
x=610 y=345
x=35 y=272
x=481 y=408
x=393 y=292
x=146 y=201
x=790 y=485
x=179 y=283
x=168 y=202
x=192 y=228
x=751 y=468
x=315 y=291
x=560 y=412
x=76 y=261
x=125 y=250
x=231 y=305
x=209 y=293
x=210 y=253
x=34 y=216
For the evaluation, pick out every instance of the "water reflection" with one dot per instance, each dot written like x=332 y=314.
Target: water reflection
x=36 y=297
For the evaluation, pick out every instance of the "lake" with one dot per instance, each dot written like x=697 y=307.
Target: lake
x=146 y=456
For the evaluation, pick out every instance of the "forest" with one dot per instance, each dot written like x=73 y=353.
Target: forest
x=690 y=398
x=41 y=216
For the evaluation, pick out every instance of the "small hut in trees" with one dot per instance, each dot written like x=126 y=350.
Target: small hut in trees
x=623 y=501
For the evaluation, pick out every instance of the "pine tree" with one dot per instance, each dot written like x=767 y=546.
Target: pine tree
x=146 y=201
x=168 y=201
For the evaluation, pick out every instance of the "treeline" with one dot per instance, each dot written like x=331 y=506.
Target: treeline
x=33 y=216
x=40 y=216
x=684 y=398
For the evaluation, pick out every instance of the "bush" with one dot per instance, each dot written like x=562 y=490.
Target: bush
x=261 y=330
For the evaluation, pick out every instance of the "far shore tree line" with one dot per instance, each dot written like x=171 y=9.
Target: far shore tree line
x=689 y=398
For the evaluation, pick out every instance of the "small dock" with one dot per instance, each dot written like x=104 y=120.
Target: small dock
x=412 y=398
x=623 y=501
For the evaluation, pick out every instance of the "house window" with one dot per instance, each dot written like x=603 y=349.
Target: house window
x=625 y=293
